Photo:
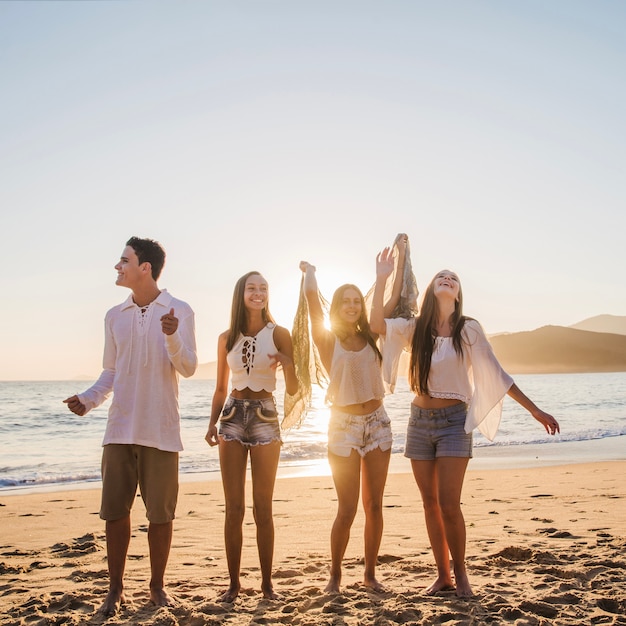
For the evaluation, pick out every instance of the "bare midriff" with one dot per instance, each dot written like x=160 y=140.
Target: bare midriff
x=362 y=408
x=426 y=402
x=248 y=394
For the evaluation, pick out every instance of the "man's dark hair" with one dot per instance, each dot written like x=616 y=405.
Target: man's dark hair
x=150 y=251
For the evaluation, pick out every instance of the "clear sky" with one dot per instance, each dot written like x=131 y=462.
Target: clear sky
x=251 y=135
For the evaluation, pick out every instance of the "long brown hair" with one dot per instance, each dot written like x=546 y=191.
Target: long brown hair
x=423 y=340
x=238 y=317
x=362 y=326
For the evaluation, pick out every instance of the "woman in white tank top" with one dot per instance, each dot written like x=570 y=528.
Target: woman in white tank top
x=359 y=435
x=249 y=353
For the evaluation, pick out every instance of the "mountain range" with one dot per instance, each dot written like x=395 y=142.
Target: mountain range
x=596 y=344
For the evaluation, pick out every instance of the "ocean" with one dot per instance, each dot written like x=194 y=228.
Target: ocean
x=44 y=446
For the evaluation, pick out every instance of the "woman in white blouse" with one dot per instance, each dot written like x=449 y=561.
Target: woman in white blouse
x=459 y=385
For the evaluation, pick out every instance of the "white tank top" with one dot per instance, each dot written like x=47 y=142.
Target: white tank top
x=249 y=364
x=355 y=377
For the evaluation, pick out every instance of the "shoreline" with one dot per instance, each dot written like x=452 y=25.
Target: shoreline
x=491 y=457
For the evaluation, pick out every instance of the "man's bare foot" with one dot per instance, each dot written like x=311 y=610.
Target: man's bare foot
x=269 y=593
x=374 y=585
x=230 y=595
x=333 y=585
x=112 y=603
x=441 y=584
x=159 y=597
x=463 y=588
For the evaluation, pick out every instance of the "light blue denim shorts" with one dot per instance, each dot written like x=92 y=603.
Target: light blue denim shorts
x=251 y=422
x=363 y=433
x=433 y=433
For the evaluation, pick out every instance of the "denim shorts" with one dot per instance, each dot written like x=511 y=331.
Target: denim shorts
x=432 y=433
x=363 y=433
x=251 y=422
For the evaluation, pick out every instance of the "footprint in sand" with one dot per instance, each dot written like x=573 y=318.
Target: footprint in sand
x=79 y=547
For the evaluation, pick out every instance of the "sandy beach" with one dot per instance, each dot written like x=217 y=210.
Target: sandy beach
x=546 y=545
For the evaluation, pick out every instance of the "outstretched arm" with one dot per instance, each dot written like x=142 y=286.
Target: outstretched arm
x=548 y=422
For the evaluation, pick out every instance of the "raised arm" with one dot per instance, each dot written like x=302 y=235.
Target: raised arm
x=322 y=337
x=384 y=269
x=400 y=244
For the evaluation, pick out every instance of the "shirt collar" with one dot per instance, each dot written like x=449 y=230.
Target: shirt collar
x=163 y=299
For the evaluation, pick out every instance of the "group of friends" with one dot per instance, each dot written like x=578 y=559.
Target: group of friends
x=457 y=382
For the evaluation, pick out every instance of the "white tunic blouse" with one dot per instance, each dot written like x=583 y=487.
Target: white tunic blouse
x=476 y=378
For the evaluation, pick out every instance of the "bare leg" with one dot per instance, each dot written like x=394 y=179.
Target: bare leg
x=451 y=472
x=159 y=541
x=233 y=463
x=425 y=473
x=375 y=465
x=264 y=464
x=117 y=540
x=346 y=474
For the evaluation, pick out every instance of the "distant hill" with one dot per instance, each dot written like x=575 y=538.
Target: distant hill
x=546 y=350
x=206 y=370
x=603 y=324
x=555 y=349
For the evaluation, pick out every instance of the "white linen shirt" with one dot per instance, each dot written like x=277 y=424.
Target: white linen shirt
x=476 y=378
x=141 y=366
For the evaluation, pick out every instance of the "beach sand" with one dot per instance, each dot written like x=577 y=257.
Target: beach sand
x=545 y=546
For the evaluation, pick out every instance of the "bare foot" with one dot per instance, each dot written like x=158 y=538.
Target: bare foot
x=441 y=584
x=374 y=585
x=463 y=588
x=159 y=597
x=333 y=585
x=269 y=593
x=112 y=603
x=230 y=595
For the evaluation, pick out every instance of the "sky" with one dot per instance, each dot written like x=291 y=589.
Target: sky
x=253 y=135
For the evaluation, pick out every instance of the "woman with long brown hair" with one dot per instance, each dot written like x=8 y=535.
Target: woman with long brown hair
x=459 y=385
x=359 y=430
x=249 y=353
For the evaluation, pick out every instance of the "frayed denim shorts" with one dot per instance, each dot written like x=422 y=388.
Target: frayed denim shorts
x=363 y=433
x=432 y=433
x=250 y=422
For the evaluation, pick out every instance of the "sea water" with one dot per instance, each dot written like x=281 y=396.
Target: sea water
x=43 y=445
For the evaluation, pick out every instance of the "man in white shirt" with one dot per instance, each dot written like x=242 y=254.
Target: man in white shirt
x=149 y=341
